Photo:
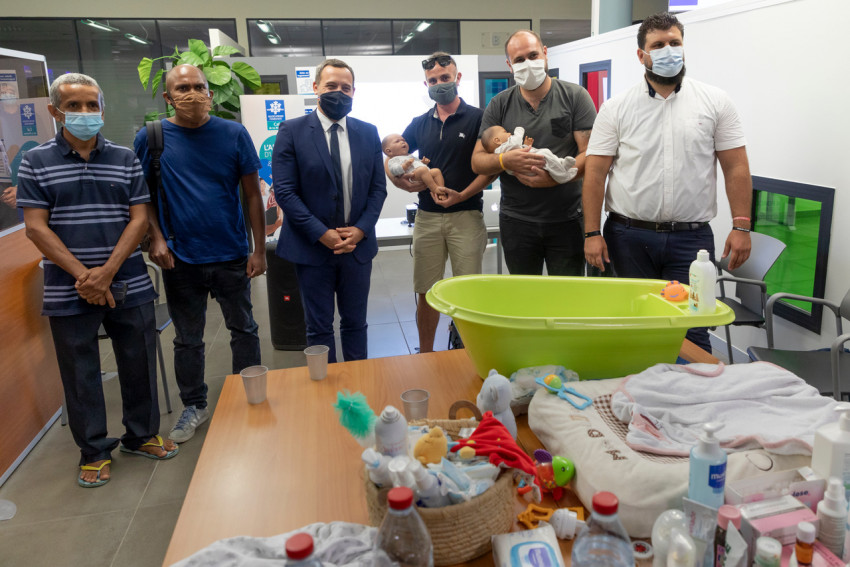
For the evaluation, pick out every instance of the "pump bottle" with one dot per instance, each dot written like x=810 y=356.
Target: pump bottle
x=831 y=451
x=832 y=514
x=702 y=277
x=707 y=479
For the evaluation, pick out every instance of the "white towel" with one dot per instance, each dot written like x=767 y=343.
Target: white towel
x=336 y=544
x=759 y=405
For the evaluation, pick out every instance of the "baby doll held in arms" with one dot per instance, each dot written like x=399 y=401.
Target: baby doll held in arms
x=497 y=140
x=401 y=162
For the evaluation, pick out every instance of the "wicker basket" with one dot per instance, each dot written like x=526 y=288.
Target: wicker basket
x=460 y=532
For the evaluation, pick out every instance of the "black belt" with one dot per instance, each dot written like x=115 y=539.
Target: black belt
x=656 y=226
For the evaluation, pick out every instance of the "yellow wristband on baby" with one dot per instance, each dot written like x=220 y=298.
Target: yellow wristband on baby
x=500 y=161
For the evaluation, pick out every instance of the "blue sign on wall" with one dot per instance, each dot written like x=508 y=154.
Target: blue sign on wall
x=28 y=125
x=275 y=114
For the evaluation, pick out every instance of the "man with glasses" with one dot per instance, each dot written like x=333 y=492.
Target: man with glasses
x=452 y=227
x=539 y=219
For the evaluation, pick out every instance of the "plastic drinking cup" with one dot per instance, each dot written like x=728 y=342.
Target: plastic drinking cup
x=254 y=380
x=317 y=361
x=415 y=404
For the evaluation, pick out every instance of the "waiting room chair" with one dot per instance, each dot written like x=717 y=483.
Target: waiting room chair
x=825 y=369
x=750 y=288
x=163 y=320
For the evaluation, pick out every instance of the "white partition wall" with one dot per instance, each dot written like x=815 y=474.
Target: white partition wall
x=784 y=63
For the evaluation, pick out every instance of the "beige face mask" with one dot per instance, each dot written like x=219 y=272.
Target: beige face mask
x=194 y=104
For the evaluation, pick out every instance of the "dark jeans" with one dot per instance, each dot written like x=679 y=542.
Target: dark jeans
x=187 y=287
x=133 y=334
x=528 y=245
x=343 y=277
x=641 y=253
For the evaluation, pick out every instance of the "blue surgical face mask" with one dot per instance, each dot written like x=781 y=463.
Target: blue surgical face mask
x=667 y=61
x=335 y=104
x=83 y=125
x=443 y=93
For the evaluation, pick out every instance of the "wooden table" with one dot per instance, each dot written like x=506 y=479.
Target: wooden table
x=274 y=467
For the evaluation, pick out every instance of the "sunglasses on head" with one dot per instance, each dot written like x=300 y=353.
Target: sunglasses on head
x=443 y=60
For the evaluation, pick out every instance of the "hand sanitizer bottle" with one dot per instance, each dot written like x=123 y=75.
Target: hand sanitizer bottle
x=707 y=479
x=701 y=280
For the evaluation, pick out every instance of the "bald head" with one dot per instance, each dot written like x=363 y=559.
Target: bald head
x=188 y=74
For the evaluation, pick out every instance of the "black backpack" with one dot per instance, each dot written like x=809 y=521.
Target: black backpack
x=156 y=144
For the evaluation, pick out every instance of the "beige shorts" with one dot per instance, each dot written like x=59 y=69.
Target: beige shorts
x=460 y=236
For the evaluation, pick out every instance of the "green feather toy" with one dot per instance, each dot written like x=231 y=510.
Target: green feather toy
x=356 y=416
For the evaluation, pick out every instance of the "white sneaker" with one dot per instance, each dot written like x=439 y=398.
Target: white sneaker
x=189 y=420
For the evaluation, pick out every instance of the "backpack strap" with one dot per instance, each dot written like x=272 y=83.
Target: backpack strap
x=156 y=145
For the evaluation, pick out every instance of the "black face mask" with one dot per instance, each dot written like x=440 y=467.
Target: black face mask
x=335 y=104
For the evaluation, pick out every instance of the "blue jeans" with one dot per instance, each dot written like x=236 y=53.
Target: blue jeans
x=642 y=253
x=187 y=287
x=343 y=277
x=527 y=245
x=133 y=334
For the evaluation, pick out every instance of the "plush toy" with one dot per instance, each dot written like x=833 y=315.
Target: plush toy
x=495 y=396
x=431 y=447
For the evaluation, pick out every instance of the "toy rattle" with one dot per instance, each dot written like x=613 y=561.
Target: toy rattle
x=553 y=472
x=674 y=291
x=553 y=384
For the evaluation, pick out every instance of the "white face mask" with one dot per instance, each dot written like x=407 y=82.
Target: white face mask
x=530 y=74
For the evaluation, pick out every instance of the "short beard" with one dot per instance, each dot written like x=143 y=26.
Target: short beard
x=674 y=80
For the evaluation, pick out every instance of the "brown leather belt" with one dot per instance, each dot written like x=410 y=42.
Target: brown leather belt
x=656 y=226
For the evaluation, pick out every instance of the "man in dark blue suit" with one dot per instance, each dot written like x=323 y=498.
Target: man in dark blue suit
x=329 y=180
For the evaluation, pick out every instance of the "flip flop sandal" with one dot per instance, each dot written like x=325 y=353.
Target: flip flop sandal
x=158 y=443
x=99 y=481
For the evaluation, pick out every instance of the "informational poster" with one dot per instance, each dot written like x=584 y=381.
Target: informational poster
x=261 y=116
x=304 y=80
x=8 y=85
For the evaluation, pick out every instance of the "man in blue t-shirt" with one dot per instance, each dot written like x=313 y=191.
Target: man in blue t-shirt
x=198 y=233
x=83 y=200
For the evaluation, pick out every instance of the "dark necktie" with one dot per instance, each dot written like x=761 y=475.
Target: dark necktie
x=337 y=163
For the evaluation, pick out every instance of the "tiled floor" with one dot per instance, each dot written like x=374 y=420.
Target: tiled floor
x=128 y=522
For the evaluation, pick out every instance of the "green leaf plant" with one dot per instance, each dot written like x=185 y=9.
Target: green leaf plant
x=224 y=79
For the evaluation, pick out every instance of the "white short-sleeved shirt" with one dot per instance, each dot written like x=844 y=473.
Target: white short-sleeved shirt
x=665 y=168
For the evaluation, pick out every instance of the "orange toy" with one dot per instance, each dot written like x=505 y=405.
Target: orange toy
x=674 y=291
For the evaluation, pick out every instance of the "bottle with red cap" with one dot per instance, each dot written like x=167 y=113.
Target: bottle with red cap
x=604 y=542
x=299 y=551
x=403 y=536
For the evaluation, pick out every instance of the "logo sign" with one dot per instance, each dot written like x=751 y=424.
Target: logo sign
x=28 y=126
x=275 y=114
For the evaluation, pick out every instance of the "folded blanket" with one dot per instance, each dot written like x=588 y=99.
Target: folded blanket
x=335 y=544
x=760 y=405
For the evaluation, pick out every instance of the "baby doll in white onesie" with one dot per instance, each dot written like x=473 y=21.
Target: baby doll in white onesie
x=400 y=162
x=497 y=140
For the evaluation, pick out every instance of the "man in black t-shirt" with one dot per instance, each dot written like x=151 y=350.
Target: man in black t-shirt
x=452 y=227
x=540 y=220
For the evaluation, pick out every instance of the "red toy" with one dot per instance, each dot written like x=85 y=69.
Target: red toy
x=674 y=291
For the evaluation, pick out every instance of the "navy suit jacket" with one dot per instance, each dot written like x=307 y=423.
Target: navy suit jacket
x=305 y=190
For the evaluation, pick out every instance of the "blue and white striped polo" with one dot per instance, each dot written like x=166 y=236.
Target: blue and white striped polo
x=89 y=204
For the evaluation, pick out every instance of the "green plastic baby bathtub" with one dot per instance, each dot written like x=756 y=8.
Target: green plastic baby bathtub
x=598 y=327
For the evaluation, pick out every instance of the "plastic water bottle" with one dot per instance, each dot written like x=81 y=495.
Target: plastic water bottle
x=604 y=542
x=403 y=536
x=299 y=552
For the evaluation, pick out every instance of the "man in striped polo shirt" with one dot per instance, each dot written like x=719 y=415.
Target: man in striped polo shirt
x=83 y=199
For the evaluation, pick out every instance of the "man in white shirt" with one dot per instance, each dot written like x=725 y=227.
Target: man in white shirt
x=659 y=143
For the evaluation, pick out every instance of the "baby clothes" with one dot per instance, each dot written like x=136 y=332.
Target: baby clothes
x=396 y=164
x=560 y=169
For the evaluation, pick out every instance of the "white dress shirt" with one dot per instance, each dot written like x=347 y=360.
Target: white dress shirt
x=344 y=157
x=664 y=167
